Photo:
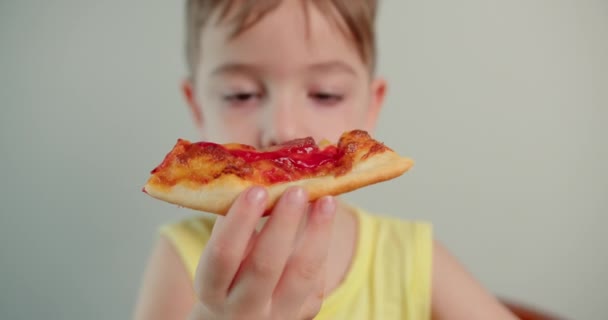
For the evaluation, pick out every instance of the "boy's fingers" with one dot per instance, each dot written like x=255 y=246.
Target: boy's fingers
x=228 y=244
x=263 y=267
x=306 y=267
x=314 y=301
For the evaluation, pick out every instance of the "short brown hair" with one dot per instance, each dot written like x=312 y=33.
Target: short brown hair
x=356 y=19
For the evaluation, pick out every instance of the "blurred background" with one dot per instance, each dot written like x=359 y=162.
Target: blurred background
x=503 y=105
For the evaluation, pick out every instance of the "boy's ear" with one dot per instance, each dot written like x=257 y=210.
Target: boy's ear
x=378 y=92
x=195 y=108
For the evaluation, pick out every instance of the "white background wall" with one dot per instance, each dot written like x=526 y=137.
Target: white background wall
x=503 y=104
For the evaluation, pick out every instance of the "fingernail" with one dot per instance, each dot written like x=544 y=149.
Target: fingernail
x=327 y=205
x=256 y=195
x=295 y=195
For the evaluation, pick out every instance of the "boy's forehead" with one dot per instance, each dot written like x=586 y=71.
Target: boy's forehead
x=289 y=31
x=238 y=17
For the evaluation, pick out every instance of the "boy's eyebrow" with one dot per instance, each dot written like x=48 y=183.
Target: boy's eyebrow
x=333 y=65
x=321 y=67
x=234 y=68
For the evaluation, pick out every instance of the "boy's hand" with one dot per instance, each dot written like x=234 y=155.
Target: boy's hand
x=243 y=274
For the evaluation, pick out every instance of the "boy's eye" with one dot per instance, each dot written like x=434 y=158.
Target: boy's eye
x=325 y=98
x=241 y=98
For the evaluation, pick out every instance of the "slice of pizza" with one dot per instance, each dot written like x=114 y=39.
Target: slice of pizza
x=208 y=177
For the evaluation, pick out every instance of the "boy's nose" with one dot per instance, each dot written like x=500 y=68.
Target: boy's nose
x=279 y=125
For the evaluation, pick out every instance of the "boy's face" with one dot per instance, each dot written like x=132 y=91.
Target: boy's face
x=287 y=77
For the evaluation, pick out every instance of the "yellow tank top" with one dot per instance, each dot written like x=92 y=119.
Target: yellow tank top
x=389 y=278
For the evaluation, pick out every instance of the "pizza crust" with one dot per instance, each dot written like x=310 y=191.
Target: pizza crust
x=217 y=196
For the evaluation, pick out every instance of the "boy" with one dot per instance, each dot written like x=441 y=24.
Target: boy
x=263 y=72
